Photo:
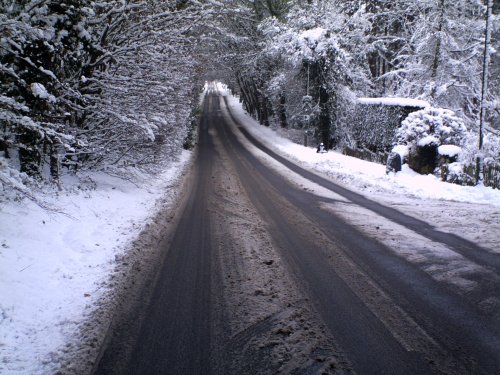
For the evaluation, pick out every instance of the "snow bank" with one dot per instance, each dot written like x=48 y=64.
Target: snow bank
x=365 y=176
x=53 y=265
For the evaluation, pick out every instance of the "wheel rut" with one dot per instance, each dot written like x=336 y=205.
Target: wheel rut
x=259 y=277
x=398 y=304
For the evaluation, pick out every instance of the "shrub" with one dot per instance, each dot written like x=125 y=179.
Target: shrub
x=432 y=126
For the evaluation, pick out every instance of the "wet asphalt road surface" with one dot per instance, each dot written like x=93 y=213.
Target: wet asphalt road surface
x=385 y=315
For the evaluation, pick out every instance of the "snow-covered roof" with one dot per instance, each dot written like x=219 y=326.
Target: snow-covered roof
x=407 y=102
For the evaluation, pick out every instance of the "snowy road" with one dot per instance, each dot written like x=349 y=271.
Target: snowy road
x=289 y=272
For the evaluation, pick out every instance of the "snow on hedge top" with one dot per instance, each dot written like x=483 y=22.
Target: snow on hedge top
x=449 y=150
x=407 y=102
x=437 y=126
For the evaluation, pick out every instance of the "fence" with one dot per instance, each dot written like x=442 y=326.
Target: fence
x=491 y=175
x=367 y=155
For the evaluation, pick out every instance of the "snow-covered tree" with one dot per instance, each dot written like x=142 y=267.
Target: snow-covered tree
x=42 y=49
x=146 y=86
x=439 y=58
x=312 y=57
x=432 y=126
x=95 y=84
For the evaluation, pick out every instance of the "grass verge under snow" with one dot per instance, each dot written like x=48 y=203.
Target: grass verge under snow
x=54 y=265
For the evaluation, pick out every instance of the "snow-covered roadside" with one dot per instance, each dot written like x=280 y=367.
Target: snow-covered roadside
x=472 y=212
x=54 y=266
x=363 y=175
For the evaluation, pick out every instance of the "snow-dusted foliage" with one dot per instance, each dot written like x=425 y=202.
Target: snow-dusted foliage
x=88 y=84
x=490 y=152
x=44 y=45
x=148 y=87
x=432 y=126
x=430 y=49
x=373 y=121
x=314 y=62
x=456 y=174
x=99 y=84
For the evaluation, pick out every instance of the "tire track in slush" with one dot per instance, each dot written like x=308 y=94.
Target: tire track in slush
x=467 y=336
x=175 y=327
x=271 y=329
x=467 y=248
x=336 y=301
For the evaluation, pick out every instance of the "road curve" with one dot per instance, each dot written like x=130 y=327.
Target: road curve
x=383 y=314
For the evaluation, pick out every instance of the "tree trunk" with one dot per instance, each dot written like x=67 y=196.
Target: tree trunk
x=246 y=95
x=29 y=153
x=4 y=145
x=437 y=50
x=54 y=163
x=265 y=109
x=282 y=110
x=484 y=91
x=324 y=116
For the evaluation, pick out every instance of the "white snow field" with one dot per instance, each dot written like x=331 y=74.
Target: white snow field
x=54 y=265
